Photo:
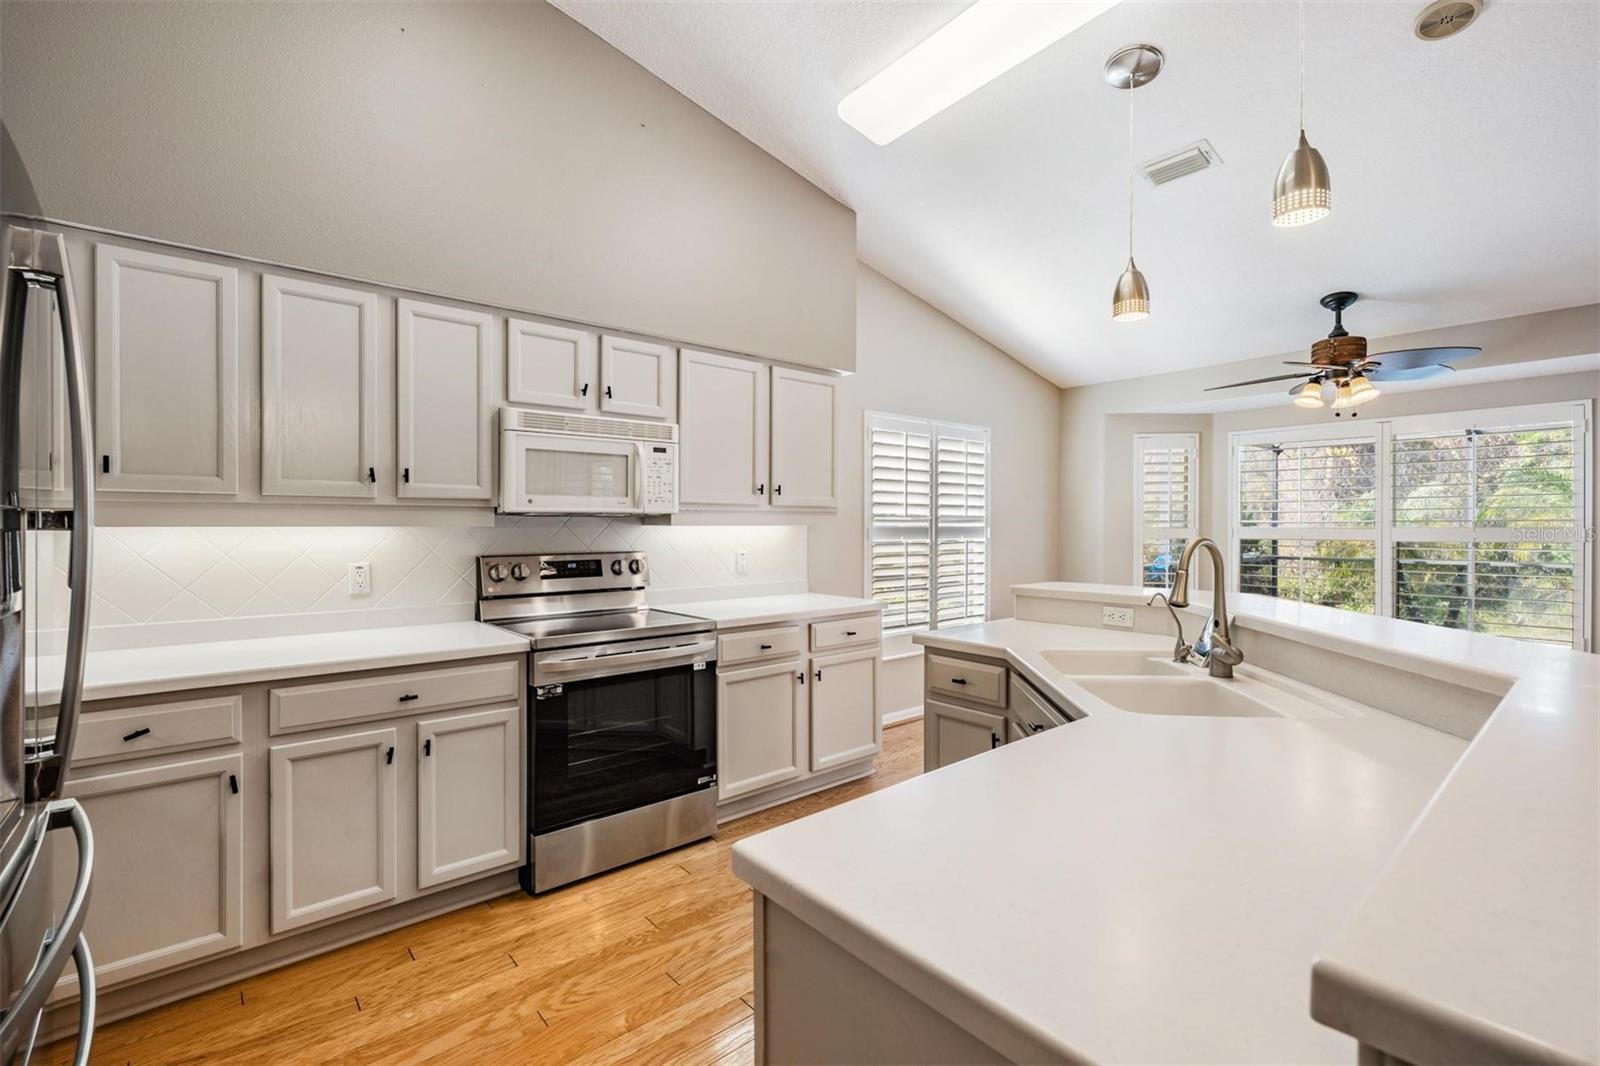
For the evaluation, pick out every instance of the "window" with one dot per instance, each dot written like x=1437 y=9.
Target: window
x=1165 y=513
x=927 y=521
x=1470 y=520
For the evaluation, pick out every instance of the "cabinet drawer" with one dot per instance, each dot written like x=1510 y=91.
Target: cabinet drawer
x=966 y=680
x=755 y=645
x=853 y=632
x=311 y=706
x=127 y=732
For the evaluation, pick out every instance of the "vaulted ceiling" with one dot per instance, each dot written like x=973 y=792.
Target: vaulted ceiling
x=1464 y=171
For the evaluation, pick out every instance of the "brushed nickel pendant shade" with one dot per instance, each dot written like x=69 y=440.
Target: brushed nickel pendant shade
x=1303 y=193
x=1129 y=68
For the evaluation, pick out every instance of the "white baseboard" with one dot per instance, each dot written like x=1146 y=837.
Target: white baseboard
x=904 y=714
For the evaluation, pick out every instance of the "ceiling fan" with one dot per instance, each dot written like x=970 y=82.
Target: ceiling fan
x=1341 y=361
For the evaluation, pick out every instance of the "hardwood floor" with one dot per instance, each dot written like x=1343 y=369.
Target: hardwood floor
x=649 y=964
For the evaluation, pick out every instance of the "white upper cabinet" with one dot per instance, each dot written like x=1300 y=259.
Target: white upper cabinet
x=639 y=379
x=552 y=366
x=444 y=416
x=722 y=413
x=804 y=464
x=318 y=389
x=166 y=373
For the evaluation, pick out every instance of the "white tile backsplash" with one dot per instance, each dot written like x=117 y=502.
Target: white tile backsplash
x=153 y=575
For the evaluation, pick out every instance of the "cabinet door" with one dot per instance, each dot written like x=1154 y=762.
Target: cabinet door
x=638 y=378
x=760 y=728
x=168 y=866
x=952 y=733
x=444 y=418
x=469 y=797
x=552 y=366
x=844 y=709
x=319 y=393
x=333 y=830
x=722 y=426
x=804 y=465
x=166 y=373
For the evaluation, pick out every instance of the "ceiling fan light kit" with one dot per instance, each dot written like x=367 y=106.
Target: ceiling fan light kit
x=1303 y=193
x=1308 y=394
x=1129 y=68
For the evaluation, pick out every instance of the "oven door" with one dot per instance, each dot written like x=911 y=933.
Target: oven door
x=615 y=729
x=542 y=474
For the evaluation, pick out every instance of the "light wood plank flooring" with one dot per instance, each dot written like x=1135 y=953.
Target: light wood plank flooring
x=649 y=964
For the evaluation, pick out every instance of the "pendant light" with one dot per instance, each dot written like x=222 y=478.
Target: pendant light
x=1129 y=68
x=1303 y=193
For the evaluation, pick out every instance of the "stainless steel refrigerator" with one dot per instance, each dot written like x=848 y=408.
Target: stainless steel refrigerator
x=45 y=450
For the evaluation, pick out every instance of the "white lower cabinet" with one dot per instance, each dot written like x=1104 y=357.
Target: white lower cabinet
x=761 y=728
x=334 y=830
x=468 y=801
x=844 y=708
x=952 y=733
x=169 y=864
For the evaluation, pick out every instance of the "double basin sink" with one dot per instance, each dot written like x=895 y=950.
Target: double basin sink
x=1143 y=682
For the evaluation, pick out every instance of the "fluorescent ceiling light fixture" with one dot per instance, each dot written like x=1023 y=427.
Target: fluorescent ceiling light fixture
x=961 y=57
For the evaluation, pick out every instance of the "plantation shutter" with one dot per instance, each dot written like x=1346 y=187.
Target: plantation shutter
x=1168 y=502
x=961 y=525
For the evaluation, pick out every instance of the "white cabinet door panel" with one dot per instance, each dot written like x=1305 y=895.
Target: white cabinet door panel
x=951 y=733
x=333 y=826
x=319 y=392
x=844 y=709
x=444 y=418
x=638 y=379
x=166 y=373
x=804 y=435
x=722 y=411
x=469 y=797
x=169 y=865
x=552 y=366
x=760 y=728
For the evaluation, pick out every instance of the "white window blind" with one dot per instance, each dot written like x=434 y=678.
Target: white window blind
x=927 y=521
x=1167 y=504
x=1469 y=520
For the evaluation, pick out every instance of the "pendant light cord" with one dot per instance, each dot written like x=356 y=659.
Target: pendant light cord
x=1302 y=66
x=1131 y=89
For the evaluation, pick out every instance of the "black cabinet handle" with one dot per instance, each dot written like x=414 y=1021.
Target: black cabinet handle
x=994 y=741
x=802 y=676
x=142 y=731
x=958 y=681
x=1035 y=726
x=777 y=490
x=427 y=747
x=408 y=697
x=372 y=475
x=766 y=647
x=389 y=756
x=761 y=489
x=849 y=632
x=233 y=783
x=819 y=675
x=105 y=464
x=405 y=475
x=608 y=392
x=585 y=390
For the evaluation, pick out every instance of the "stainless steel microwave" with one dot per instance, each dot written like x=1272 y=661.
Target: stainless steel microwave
x=582 y=464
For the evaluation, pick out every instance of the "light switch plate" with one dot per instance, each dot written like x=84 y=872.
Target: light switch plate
x=1121 y=617
x=360 y=579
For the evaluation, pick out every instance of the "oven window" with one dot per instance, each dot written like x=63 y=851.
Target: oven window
x=575 y=474
x=615 y=743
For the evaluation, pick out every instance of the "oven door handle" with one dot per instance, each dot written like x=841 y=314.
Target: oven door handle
x=552 y=671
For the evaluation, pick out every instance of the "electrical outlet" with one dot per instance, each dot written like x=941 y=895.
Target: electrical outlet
x=1121 y=617
x=741 y=562
x=360 y=579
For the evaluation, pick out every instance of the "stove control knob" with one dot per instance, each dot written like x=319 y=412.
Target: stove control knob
x=520 y=571
x=616 y=566
x=634 y=566
x=497 y=572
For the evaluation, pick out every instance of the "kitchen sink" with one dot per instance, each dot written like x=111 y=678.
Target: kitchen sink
x=1201 y=697
x=1116 y=664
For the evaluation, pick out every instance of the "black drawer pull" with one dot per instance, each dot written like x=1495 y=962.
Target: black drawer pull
x=233 y=783
x=427 y=746
x=408 y=697
x=849 y=632
x=958 y=681
x=766 y=647
x=1035 y=726
x=142 y=731
x=389 y=756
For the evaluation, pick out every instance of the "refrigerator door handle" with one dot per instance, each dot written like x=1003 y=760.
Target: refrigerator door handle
x=22 y=1017
x=86 y=1000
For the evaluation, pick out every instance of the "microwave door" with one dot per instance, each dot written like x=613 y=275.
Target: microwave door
x=569 y=475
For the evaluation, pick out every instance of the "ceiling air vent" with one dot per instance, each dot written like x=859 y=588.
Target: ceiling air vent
x=1183 y=162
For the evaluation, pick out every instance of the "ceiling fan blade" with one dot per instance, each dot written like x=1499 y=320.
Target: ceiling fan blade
x=1433 y=370
x=1258 y=381
x=1415 y=358
x=1296 y=362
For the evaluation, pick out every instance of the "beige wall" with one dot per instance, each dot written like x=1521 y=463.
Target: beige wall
x=1098 y=423
x=914 y=361
x=492 y=152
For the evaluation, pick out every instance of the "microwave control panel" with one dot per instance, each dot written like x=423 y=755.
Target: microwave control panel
x=660 y=479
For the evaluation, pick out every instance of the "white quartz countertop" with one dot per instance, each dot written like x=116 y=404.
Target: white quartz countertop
x=1126 y=888
x=760 y=610
x=167 y=668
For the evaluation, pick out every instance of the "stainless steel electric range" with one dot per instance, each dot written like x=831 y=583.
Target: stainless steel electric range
x=622 y=711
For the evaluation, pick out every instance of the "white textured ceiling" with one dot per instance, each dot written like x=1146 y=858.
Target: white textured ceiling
x=1465 y=172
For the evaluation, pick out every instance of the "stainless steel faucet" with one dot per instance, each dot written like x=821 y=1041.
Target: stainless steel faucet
x=1182 y=649
x=1221 y=655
